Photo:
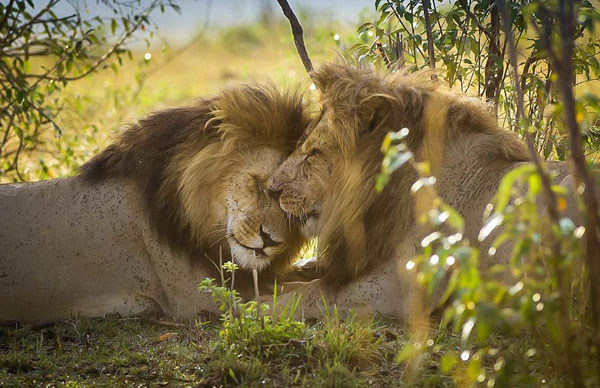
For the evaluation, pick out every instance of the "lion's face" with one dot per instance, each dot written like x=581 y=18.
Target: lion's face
x=257 y=229
x=302 y=178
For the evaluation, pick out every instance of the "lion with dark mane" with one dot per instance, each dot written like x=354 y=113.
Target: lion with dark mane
x=154 y=213
x=365 y=237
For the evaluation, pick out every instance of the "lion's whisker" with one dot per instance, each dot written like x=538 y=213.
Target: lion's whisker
x=216 y=232
x=221 y=238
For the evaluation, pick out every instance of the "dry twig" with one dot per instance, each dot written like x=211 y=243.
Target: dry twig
x=298 y=35
x=429 y=39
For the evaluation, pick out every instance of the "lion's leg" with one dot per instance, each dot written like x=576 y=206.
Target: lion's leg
x=178 y=277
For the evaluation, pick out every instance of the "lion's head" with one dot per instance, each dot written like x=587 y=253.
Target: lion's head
x=301 y=181
x=203 y=170
x=329 y=180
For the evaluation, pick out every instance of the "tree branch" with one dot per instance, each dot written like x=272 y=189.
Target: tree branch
x=7 y=9
x=512 y=54
x=381 y=51
x=566 y=80
x=298 y=35
x=530 y=61
x=429 y=38
x=465 y=7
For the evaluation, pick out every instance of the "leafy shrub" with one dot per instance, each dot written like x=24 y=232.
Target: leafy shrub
x=540 y=295
x=468 y=50
x=42 y=52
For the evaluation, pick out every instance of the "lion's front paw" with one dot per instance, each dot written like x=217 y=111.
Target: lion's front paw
x=304 y=270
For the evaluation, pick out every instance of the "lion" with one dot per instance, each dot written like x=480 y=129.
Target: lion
x=365 y=237
x=176 y=194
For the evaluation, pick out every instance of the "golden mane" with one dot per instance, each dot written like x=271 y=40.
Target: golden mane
x=180 y=157
x=359 y=227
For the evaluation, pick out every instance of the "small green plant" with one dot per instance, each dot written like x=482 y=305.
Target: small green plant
x=247 y=326
x=334 y=352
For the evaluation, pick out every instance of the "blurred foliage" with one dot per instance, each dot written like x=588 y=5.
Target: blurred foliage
x=471 y=55
x=543 y=292
x=41 y=52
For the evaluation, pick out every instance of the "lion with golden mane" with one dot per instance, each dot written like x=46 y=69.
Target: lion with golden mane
x=365 y=237
x=150 y=216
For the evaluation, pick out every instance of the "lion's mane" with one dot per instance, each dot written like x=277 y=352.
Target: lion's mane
x=359 y=226
x=179 y=157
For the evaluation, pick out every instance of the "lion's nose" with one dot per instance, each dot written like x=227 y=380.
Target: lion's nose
x=267 y=240
x=273 y=185
x=274 y=188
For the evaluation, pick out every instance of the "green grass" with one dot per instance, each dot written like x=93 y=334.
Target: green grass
x=116 y=351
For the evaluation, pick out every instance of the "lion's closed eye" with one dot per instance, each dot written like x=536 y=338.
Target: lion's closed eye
x=257 y=185
x=311 y=153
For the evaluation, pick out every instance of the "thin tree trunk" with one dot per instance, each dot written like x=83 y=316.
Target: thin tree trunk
x=495 y=60
x=429 y=38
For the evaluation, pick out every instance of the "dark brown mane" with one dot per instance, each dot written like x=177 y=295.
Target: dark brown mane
x=155 y=151
x=142 y=153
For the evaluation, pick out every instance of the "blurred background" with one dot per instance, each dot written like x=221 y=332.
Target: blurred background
x=74 y=71
x=184 y=49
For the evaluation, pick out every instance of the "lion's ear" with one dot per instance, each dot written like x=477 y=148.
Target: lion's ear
x=329 y=74
x=322 y=77
x=373 y=113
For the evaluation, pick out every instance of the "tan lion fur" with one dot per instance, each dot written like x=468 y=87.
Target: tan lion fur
x=359 y=228
x=367 y=238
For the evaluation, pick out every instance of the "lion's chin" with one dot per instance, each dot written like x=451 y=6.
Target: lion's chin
x=310 y=226
x=307 y=220
x=246 y=258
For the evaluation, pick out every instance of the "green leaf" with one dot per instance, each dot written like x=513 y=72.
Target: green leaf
x=507 y=183
x=474 y=368
x=455 y=220
x=384 y=17
x=448 y=362
x=408 y=352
